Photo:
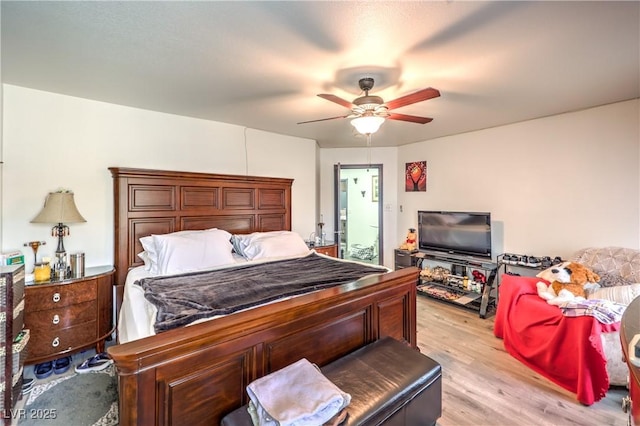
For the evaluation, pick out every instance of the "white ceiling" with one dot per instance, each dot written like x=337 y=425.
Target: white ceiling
x=261 y=64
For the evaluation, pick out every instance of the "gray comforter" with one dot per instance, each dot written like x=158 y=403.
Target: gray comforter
x=182 y=299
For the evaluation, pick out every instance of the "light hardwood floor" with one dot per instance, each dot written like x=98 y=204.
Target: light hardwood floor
x=483 y=385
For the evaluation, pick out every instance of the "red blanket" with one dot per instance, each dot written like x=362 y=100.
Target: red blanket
x=566 y=350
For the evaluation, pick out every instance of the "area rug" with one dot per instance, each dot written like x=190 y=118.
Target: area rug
x=89 y=399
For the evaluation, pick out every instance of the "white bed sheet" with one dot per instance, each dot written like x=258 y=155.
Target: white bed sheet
x=137 y=315
x=135 y=321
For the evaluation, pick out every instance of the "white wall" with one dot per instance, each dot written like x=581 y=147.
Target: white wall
x=277 y=155
x=552 y=185
x=52 y=141
x=358 y=156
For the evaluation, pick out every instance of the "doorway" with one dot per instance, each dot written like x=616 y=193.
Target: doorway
x=358 y=212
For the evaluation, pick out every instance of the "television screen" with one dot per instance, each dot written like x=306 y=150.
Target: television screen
x=465 y=233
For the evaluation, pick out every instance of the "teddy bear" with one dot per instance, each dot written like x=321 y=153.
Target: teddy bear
x=569 y=282
x=411 y=243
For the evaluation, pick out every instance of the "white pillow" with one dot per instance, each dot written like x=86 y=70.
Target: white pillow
x=242 y=241
x=274 y=245
x=146 y=259
x=150 y=254
x=238 y=246
x=178 y=253
x=622 y=294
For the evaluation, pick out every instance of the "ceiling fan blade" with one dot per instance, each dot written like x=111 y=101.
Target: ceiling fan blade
x=412 y=98
x=323 y=119
x=336 y=99
x=411 y=118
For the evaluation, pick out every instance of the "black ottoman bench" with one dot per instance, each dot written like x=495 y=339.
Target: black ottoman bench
x=389 y=383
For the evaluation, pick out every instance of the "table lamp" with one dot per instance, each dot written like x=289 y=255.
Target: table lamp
x=60 y=208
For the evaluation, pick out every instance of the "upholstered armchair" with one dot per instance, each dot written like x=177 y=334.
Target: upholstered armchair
x=618 y=267
x=579 y=354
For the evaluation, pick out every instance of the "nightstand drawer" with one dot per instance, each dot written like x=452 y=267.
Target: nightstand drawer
x=54 y=296
x=64 y=317
x=329 y=250
x=46 y=342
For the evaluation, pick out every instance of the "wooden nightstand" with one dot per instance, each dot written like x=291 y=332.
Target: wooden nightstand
x=68 y=315
x=329 y=248
x=404 y=259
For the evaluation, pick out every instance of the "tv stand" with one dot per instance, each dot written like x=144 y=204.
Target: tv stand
x=473 y=293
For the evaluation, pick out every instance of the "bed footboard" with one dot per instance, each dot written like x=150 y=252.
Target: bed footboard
x=197 y=374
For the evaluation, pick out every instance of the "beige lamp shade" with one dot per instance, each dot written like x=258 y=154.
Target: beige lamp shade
x=59 y=207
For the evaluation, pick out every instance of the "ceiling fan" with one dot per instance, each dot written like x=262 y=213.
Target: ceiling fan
x=369 y=112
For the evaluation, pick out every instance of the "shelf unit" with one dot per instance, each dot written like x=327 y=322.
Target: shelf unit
x=14 y=338
x=505 y=268
x=509 y=268
x=472 y=294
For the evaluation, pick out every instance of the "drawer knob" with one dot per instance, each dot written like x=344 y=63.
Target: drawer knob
x=56 y=342
x=56 y=297
x=56 y=319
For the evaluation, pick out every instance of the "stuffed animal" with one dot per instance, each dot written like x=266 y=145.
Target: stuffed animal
x=411 y=243
x=569 y=282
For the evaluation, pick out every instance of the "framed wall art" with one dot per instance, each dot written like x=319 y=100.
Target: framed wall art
x=416 y=176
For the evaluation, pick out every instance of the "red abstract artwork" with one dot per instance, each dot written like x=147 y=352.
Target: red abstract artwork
x=416 y=176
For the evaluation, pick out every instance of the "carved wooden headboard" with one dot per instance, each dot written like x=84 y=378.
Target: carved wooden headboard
x=158 y=202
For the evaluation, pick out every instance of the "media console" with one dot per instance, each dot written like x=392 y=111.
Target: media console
x=464 y=281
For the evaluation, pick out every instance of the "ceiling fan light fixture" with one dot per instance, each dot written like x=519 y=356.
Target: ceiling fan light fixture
x=369 y=112
x=367 y=124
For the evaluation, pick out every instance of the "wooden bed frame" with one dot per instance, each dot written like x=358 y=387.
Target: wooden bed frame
x=197 y=374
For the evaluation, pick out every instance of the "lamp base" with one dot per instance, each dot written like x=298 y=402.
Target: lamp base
x=60 y=231
x=61 y=267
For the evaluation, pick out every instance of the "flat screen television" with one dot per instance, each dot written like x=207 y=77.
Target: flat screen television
x=461 y=233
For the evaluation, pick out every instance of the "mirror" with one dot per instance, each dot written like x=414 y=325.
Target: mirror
x=358 y=215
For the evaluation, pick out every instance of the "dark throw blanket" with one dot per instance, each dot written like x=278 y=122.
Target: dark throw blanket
x=182 y=299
